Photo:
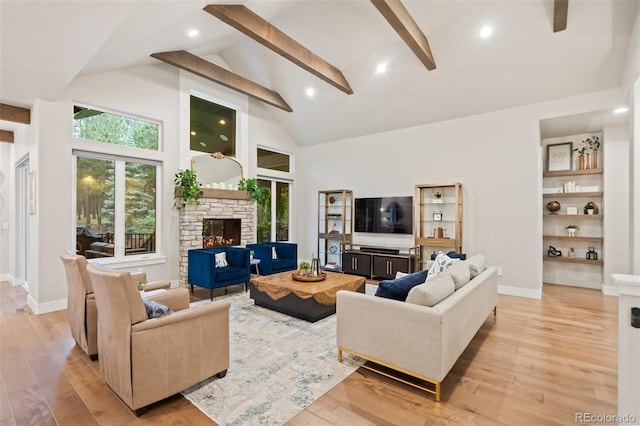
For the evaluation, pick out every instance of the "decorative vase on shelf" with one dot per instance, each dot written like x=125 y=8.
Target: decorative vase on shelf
x=581 y=162
x=553 y=207
x=594 y=159
x=587 y=161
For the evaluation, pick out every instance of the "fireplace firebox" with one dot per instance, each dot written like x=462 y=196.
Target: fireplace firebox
x=221 y=232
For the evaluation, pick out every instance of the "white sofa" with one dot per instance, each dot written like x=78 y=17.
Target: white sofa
x=422 y=341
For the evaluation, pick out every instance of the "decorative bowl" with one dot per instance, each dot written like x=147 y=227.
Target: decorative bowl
x=309 y=278
x=553 y=207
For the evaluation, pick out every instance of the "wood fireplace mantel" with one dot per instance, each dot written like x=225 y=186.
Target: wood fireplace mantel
x=228 y=194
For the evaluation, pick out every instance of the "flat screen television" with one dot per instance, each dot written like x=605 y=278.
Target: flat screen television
x=384 y=215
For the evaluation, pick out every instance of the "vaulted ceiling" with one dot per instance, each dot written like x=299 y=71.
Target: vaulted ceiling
x=44 y=45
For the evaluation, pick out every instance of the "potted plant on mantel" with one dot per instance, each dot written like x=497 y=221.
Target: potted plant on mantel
x=188 y=189
x=252 y=187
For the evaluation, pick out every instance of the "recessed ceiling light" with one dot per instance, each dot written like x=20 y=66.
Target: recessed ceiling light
x=193 y=33
x=486 y=31
x=620 y=110
x=222 y=122
x=382 y=68
x=224 y=138
x=310 y=92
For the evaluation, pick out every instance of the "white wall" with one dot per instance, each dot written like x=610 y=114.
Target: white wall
x=632 y=62
x=494 y=155
x=617 y=210
x=6 y=169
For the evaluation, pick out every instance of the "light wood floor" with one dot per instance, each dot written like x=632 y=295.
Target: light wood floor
x=537 y=362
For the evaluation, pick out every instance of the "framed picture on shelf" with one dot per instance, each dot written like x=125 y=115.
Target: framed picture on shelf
x=437 y=216
x=559 y=156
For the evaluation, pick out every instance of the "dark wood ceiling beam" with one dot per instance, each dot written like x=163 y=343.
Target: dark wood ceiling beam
x=15 y=114
x=247 y=22
x=399 y=18
x=196 y=65
x=6 y=136
x=560 y=13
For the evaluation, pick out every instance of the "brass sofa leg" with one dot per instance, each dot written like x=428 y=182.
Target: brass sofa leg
x=339 y=354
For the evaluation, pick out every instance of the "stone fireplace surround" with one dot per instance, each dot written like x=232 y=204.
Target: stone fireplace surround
x=214 y=204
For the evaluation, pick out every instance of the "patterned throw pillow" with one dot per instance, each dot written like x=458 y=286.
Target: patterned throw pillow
x=440 y=264
x=156 y=309
x=221 y=260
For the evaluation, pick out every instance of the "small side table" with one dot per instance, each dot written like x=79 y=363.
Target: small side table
x=256 y=263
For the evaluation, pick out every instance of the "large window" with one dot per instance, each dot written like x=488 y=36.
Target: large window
x=116 y=129
x=212 y=127
x=273 y=211
x=115 y=205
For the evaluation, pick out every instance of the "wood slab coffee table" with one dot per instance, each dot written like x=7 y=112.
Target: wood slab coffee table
x=309 y=301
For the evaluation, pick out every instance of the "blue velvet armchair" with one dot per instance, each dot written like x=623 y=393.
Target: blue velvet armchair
x=286 y=253
x=202 y=270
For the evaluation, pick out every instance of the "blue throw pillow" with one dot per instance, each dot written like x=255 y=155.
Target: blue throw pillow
x=455 y=255
x=399 y=288
x=156 y=309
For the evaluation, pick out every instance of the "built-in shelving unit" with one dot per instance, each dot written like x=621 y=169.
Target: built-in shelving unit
x=438 y=217
x=335 y=225
x=572 y=260
x=573 y=190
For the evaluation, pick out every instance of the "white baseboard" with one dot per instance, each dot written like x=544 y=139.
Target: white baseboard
x=6 y=277
x=520 y=292
x=609 y=290
x=43 y=308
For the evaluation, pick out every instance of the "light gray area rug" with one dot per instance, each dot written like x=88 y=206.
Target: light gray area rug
x=279 y=365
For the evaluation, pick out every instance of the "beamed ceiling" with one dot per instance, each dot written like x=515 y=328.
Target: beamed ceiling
x=438 y=68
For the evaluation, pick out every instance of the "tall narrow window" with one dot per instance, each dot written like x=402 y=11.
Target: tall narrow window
x=273 y=211
x=115 y=205
x=140 y=208
x=212 y=127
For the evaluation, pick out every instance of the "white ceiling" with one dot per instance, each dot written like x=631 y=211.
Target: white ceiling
x=45 y=44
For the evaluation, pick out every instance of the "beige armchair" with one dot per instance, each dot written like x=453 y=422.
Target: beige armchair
x=146 y=360
x=81 y=305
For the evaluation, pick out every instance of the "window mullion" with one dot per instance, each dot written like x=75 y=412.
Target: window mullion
x=274 y=216
x=119 y=213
